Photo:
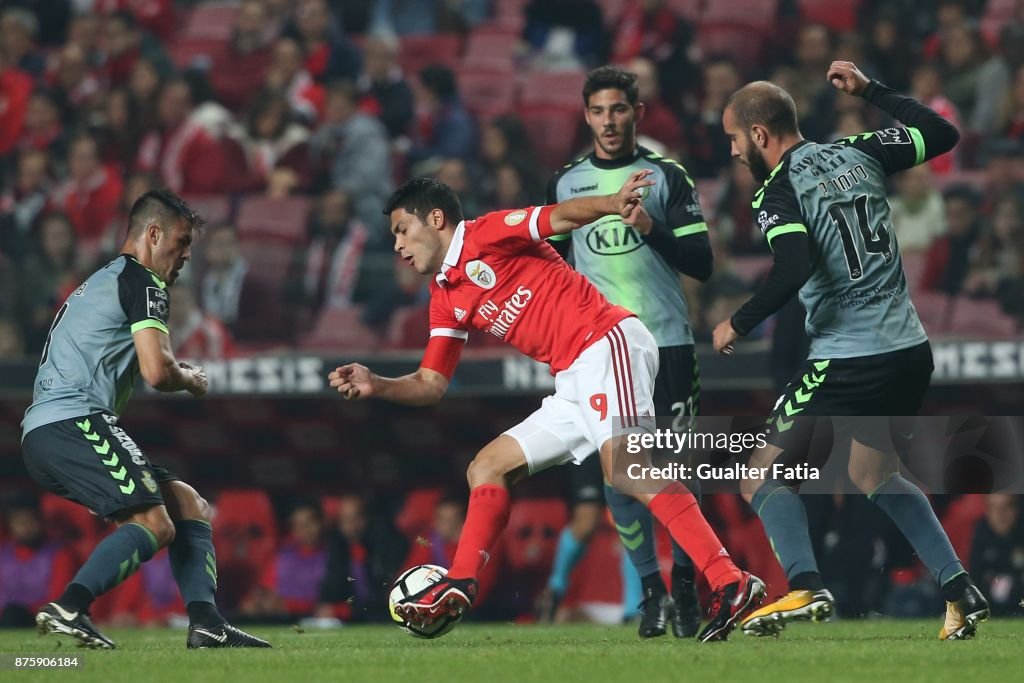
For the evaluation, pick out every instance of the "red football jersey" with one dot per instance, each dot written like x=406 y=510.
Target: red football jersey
x=500 y=276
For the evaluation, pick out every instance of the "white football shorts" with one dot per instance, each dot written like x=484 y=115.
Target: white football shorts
x=608 y=390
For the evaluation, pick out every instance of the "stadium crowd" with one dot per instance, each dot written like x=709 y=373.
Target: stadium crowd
x=288 y=124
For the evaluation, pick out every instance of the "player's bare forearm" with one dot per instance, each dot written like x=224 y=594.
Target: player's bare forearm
x=579 y=211
x=160 y=369
x=181 y=377
x=422 y=388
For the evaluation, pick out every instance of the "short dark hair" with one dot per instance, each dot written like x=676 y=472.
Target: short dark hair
x=126 y=17
x=166 y=206
x=964 y=193
x=420 y=196
x=765 y=104
x=440 y=80
x=610 y=78
x=345 y=89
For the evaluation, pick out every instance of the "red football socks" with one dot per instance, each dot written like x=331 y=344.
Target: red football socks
x=677 y=509
x=486 y=518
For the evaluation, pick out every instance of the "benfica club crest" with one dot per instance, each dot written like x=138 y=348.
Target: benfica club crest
x=481 y=274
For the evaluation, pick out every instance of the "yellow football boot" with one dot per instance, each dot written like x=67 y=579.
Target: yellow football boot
x=798 y=605
x=962 y=616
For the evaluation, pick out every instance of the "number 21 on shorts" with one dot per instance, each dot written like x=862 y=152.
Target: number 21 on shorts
x=599 y=402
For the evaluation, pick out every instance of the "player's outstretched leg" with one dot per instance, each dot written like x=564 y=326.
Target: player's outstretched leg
x=194 y=565
x=910 y=510
x=117 y=557
x=785 y=523
x=497 y=466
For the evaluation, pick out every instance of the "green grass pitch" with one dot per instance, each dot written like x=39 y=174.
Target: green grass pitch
x=862 y=651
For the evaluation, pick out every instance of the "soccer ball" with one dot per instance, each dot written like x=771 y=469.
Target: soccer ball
x=412 y=581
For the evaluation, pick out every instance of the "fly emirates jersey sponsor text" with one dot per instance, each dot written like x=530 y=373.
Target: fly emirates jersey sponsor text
x=500 y=276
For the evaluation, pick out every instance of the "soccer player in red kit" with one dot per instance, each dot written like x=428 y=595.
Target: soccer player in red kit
x=497 y=274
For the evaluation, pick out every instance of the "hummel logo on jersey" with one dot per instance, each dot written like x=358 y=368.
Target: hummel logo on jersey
x=460 y=313
x=481 y=274
x=585 y=188
x=220 y=638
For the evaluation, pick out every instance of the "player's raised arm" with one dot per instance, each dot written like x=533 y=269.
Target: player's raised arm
x=421 y=388
x=579 y=211
x=926 y=135
x=160 y=369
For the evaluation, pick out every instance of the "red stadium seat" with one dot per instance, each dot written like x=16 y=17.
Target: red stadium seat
x=531 y=537
x=913 y=266
x=734 y=41
x=492 y=41
x=1000 y=10
x=419 y=51
x=268 y=260
x=341 y=330
x=409 y=327
x=510 y=9
x=758 y=14
x=981 y=319
x=212 y=21
x=245 y=537
x=196 y=52
x=933 y=308
x=277 y=219
x=838 y=15
x=248 y=510
x=214 y=209
x=708 y=190
x=70 y=523
x=488 y=92
x=417 y=514
x=688 y=9
x=597 y=577
x=611 y=10
x=552 y=132
x=553 y=89
x=959 y=521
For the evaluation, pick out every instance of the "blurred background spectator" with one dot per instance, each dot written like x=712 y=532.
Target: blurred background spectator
x=997 y=554
x=33 y=569
x=365 y=553
x=292 y=581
